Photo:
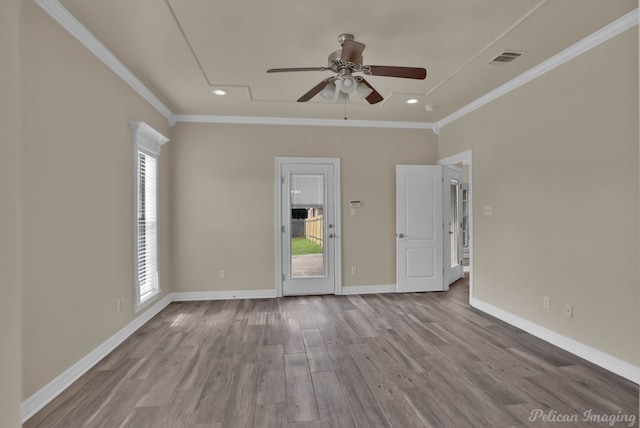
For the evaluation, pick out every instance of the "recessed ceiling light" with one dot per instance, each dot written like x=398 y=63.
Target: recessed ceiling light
x=412 y=101
x=220 y=92
x=429 y=108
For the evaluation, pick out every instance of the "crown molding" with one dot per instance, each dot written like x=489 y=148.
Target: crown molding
x=63 y=17
x=143 y=130
x=292 y=121
x=611 y=30
x=144 y=136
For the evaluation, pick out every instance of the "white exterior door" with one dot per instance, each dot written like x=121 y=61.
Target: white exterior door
x=419 y=228
x=307 y=226
x=453 y=247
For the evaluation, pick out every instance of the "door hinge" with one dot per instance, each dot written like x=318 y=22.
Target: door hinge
x=282 y=229
x=282 y=180
x=283 y=277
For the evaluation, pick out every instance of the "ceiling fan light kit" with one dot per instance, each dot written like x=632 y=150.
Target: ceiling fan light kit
x=329 y=91
x=343 y=99
x=347 y=84
x=344 y=63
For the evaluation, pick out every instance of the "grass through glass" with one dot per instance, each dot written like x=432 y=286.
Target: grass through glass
x=301 y=246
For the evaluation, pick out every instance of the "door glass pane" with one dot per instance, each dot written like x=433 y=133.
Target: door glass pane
x=307 y=225
x=453 y=225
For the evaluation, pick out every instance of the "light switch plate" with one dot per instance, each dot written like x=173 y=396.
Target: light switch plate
x=568 y=310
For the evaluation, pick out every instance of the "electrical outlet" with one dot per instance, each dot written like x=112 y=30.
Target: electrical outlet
x=354 y=270
x=547 y=303
x=568 y=310
x=223 y=274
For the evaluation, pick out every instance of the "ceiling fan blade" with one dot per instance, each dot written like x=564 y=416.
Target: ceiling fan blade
x=285 y=70
x=391 y=71
x=374 y=97
x=315 y=90
x=352 y=51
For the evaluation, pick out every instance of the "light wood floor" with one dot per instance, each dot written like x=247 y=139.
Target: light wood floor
x=401 y=360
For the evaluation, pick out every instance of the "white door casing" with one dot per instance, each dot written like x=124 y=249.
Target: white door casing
x=419 y=228
x=308 y=183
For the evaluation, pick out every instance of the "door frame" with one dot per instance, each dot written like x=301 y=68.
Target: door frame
x=279 y=161
x=466 y=158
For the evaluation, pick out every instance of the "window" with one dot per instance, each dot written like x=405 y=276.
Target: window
x=146 y=153
x=147 y=227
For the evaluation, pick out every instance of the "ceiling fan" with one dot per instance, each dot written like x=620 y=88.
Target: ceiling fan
x=344 y=63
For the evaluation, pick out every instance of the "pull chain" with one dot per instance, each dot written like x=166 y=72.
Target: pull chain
x=345 y=107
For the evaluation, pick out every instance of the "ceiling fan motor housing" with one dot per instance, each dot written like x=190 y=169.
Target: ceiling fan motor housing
x=337 y=65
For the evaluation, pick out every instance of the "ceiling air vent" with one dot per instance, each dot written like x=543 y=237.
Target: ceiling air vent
x=506 y=57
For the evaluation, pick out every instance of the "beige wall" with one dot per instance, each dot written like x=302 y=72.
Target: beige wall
x=562 y=177
x=10 y=304
x=223 y=199
x=558 y=161
x=77 y=195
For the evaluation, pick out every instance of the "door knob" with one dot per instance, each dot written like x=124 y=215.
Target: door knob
x=400 y=235
x=331 y=235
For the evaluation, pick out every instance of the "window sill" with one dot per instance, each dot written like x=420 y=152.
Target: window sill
x=140 y=306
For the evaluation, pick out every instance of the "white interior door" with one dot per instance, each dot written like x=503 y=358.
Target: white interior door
x=453 y=246
x=419 y=228
x=308 y=228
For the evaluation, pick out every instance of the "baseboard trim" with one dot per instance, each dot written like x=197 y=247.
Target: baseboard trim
x=599 y=358
x=368 y=289
x=54 y=388
x=223 y=295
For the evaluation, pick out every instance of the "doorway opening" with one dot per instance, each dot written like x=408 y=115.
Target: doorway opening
x=464 y=160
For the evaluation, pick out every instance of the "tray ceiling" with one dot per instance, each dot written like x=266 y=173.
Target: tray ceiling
x=182 y=49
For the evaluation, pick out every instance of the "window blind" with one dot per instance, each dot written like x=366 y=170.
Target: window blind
x=147 y=227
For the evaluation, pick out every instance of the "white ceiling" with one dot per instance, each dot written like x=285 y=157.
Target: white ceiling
x=182 y=49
